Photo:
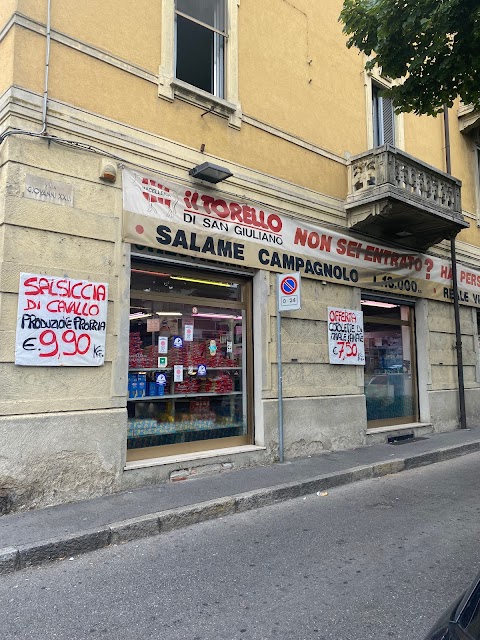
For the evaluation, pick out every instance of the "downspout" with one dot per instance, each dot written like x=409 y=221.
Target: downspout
x=47 y=68
x=45 y=85
x=456 y=304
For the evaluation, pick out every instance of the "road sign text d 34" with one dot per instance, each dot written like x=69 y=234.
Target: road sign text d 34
x=289 y=291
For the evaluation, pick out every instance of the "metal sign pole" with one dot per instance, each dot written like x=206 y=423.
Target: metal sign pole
x=280 y=385
x=289 y=288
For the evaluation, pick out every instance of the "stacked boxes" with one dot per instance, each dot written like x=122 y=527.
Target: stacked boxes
x=222 y=383
x=132 y=385
x=137 y=385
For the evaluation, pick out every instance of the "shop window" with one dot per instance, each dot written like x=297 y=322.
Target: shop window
x=189 y=359
x=390 y=369
x=200 y=44
x=383 y=117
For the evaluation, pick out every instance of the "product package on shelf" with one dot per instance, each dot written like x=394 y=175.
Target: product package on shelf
x=135 y=352
x=139 y=355
x=132 y=385
x=142 y=385
x=221 y=383
x=190 y=385
x=141 y=427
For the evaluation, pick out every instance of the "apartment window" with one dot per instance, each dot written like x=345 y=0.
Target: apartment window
x=201 y=35
x=383 y=117
x=199 y=61
x=477 y=174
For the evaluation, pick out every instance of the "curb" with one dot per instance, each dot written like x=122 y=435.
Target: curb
x=42 y=552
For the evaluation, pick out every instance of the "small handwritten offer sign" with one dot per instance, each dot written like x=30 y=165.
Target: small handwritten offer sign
x=345 y=336
x=61 y=322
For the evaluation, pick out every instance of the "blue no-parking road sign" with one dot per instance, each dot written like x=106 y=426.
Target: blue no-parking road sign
x=288 y=291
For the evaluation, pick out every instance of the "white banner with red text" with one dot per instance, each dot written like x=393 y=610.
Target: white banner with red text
x=184 y=220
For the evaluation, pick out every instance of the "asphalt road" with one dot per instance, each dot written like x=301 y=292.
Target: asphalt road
x=379 y=560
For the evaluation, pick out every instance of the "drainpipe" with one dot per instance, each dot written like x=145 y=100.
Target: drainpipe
x=456 y=304
x=45 y=85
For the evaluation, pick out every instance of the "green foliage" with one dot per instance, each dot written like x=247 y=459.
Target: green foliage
x=431 y=46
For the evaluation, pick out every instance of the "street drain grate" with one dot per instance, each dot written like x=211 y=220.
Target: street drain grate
x=405 y=439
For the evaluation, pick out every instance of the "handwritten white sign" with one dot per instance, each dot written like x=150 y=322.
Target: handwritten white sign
x=61 y=322
x=345 y=336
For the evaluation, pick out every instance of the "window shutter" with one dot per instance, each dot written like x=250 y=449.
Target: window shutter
x=388 y=122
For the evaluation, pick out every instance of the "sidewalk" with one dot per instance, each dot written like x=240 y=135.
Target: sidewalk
x=44 y=535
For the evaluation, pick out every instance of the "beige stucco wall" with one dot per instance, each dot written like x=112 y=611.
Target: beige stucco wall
x=79 y=242
x=306 y=369
x=443 y=357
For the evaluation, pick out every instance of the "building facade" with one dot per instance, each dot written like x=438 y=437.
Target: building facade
x=160 y=164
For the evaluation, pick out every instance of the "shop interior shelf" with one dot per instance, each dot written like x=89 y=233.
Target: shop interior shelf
x=175 y=396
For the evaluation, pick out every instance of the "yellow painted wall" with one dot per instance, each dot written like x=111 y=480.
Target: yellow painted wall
x=106 y=90
x=424 y=139
x=7 y=7
x=129 y=30
x=308 y=78
x=295 y=74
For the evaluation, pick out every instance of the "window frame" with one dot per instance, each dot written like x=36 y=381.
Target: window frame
x=476 y=173
x=245 y=303
x=374 y=78
x=378 y=112
x=171 y=88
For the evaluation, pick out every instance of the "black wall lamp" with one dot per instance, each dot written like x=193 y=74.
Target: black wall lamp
x=210 y=172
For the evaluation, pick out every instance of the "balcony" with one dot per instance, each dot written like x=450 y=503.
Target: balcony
x=395 y=197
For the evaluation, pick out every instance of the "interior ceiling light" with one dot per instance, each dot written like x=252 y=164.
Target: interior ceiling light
x=151 y=273
x=139 y=316
x=168 y=313
x=210 y=172
x=374 y=303
x=212 y=282
x=218 y=316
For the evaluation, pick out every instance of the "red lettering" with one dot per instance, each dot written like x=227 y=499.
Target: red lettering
x=220 y=208
x=261 y=221
x=445 y=272
x=300 y=236
x=100 y=293
x=235 y=211
x=352 y=250
x=275 y=223
x=248 y=214
x=32 y=282
x=207 y=202
x=341 y=246
x=313 y=240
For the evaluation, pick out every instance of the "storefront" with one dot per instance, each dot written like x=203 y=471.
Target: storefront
x=191 y=385
x=190 y=360
x=390 y=362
